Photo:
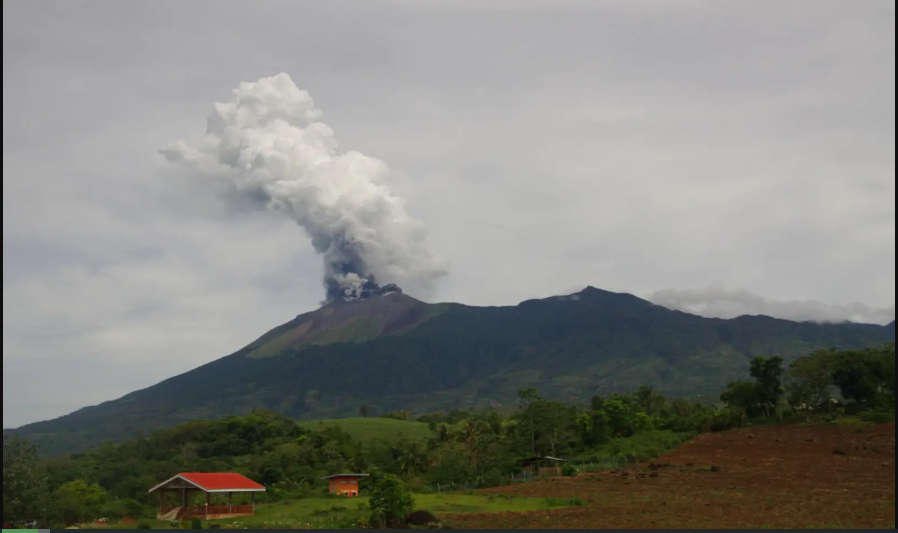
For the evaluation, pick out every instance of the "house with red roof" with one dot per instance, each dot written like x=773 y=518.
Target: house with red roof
x=219 y=484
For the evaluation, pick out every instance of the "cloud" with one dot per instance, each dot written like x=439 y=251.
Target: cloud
x=715 y=300
x=629 y=145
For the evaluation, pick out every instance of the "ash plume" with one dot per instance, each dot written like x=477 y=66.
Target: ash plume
x=269 y=144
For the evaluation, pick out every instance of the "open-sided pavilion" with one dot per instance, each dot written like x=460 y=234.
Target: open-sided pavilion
x=220 y=483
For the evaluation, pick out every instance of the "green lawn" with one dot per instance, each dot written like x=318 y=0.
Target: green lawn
x=370 y=429
x=331 y=513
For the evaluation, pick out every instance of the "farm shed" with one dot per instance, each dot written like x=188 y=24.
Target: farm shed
x=542 y=466
x=224 y=483
x=344 y=484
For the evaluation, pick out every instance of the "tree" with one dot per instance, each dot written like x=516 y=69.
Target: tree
x=810 y=381
x=413 y=460
x=887 y=355
x=858 y=375
x=649 y=399
x=555 y=422
x=390 y=499
x=363 y=410
x=768 y=374
x=529 y=397
x=742 y=395
x=24 y=485
x=77 y=501
x=618 y=418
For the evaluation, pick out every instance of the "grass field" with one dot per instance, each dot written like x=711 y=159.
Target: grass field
x=371 y=429
x=333 y=513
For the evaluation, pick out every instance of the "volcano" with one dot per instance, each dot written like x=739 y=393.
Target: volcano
x=390 y=351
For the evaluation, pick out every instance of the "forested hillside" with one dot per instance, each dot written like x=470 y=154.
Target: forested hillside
x=463 y=447
x=395 y=353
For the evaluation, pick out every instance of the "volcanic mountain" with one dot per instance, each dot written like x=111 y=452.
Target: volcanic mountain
x=395 y=352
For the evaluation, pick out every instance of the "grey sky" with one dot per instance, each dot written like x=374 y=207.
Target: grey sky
x=633 y=145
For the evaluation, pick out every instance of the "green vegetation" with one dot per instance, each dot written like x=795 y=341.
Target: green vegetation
x=865 y=379
x=396 y=353
x=367 y=430
x=390 y=501
x=461 y=449
x=330 y=513
x=24 y=482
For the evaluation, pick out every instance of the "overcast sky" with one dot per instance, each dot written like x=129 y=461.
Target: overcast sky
x=632 y=145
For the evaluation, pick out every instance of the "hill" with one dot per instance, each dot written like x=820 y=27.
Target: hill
x=366 y=430
x=395 y=352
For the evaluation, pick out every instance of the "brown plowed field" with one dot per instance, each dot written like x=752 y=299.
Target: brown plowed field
x=771 y=477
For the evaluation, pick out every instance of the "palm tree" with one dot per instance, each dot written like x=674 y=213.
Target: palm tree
x=648 y=398
x=413 y=460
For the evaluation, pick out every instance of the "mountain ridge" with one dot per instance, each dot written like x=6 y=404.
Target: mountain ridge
x=396 y=352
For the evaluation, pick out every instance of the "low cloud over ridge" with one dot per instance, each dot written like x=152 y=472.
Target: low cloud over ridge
x=718 y=301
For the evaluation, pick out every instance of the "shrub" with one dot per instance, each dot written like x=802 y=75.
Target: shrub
x=196 y=523
x=376 y=521
x=569 y=470
x=878 y=416
x=421 y=518
x=390 y=499
x=492 y=478
x=144 y=525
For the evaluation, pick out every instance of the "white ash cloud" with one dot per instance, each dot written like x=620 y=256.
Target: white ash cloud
x=718 y=301
x=270 y=145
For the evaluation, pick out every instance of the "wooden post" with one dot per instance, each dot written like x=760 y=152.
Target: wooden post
x=230 y=503
x=206 y=509
x=183 y=497
x=253 y=501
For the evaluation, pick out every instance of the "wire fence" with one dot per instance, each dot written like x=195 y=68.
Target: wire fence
x=582 y=465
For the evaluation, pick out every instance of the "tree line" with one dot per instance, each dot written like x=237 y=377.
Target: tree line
x=464 y=447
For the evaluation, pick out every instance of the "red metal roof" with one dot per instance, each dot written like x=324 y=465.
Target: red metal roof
x=221 y=481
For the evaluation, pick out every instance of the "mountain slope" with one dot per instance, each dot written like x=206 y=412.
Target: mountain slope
x=341 y=321
x=395 y=352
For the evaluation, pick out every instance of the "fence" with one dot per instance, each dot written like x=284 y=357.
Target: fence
x=591 y=464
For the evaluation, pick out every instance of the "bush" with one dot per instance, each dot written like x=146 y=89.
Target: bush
x=492 y=478
x=196 y=523
x=569 y=470
x=421 y=518
x=376 y=521
x=144 y=525
x=878 y=416
x=390 y=499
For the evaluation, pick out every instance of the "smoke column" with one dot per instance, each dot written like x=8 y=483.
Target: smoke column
x=268 y=143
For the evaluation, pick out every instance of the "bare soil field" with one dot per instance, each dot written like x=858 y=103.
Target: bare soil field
x=771 y=477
